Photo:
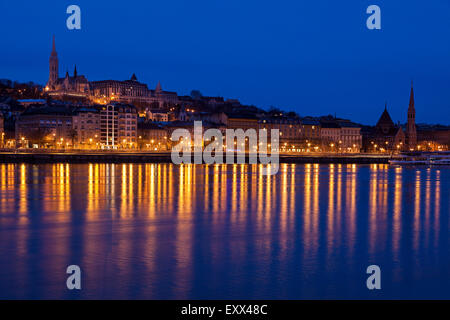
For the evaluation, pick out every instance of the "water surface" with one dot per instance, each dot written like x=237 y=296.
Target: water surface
x=160 y=231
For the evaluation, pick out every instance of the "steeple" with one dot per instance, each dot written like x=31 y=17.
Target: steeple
x=54 y=46
x=411 y=97
x=158 y=87
x=53 y=65
x=75 y=72
x=133 y=77
x=411 y=133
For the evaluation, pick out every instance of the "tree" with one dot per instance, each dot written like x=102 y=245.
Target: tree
x=38 y=135
x=73 y=134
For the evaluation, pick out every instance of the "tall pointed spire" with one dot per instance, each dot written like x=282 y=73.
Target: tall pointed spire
x=53 y=54
x=53 y=65
x=75 y=72
x=411 y=131
x=411 y=97
x=158 y=87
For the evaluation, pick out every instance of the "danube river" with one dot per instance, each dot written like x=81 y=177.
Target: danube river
x=160 y=231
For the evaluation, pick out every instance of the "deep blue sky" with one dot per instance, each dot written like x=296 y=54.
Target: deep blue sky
x=313 y=57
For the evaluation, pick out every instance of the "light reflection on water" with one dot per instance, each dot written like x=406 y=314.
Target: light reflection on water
x=157 y=231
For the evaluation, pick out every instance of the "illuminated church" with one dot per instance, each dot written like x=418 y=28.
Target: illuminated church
x=388 y=136
x=101 y=92
x=69 y=86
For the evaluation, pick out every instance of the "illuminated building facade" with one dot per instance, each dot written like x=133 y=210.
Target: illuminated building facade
x=351 y=138
x=152 y=136
x=103 y=92
x=86 y=124
x=2 y=131
x=157 y=115
x=131 y=92
x=290 y=131
x=108 y=127
x=310 y=130
x=76 y=86
x=242 y=121
x=118 y=126
x=45 y=127
x=127 y=121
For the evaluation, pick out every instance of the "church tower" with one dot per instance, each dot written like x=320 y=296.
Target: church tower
x=411 y=134
x=53 y=62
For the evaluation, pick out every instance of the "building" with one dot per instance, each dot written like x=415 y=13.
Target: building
x=433 y=137
x=290 y=132
x=411 y=133
x=242 y=121
x=350 y=137
x=109 y=127
x=76 y=86
x=385 y=136
x=310 y=131
x=157 y=115
x=28 y=102
x=339 y=135
x=45 y=127
x=127 y=91
x=218 y=118
x=127 y=125
x=118 y=126
x=2 y=131
x=152 y=136
x=131 y=92
x=330 y=135
x=86 y=124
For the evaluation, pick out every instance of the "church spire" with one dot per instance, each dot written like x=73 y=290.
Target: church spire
x=411 y=133
x=75 y=72
x=53 y=54
x=158 y=87
x=411 y=97
x=53 y=65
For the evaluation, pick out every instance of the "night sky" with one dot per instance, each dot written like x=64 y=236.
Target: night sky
x=312 y=57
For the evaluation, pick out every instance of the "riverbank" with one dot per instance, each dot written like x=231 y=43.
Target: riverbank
x=164 y=157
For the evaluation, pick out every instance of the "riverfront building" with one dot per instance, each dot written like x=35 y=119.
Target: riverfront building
x=45 y=127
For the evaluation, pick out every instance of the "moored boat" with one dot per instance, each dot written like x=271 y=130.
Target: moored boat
x=441 y=158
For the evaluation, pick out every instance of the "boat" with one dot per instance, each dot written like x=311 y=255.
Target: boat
x=421 y=158
x=442 y=160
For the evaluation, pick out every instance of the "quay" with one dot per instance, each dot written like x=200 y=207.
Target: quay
x=165 y=157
